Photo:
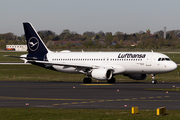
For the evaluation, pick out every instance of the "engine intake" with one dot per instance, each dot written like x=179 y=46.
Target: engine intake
x=101 y=74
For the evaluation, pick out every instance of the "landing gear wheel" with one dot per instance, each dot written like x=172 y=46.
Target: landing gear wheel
x=112 y=80
x=154 y=81
x=87 y=80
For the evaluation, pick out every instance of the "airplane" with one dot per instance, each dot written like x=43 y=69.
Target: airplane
x=98 y=65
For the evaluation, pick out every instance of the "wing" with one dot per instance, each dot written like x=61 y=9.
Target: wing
x=65 y=64
x=117 y=69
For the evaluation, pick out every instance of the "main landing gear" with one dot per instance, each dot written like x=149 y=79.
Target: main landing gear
x=154 y=81
x=112 y=80
x=87 y=80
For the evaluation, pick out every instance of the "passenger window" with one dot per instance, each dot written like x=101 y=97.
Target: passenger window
x=159 y=59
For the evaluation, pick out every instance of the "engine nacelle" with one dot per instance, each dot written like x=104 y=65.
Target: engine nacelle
x=101 y=74
x=137 y=76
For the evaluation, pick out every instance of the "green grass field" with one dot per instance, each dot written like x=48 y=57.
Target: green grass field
x=174 y=57
x=36 y=73
x=83 y=114
x=11 y=59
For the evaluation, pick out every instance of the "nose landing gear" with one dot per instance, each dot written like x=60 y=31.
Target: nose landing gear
x=154 y=81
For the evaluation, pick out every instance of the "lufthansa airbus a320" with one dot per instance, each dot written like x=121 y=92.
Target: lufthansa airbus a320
x=98 y=65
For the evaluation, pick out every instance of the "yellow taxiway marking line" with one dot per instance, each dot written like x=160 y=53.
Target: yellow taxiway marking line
x=143 y=99
x=84 y=102
x=95 y=84
x=101 y=101
x=151 y=97
x=118 y=100
x=88 y=100
x=74 y=103
x=126 y=99
x=55 y=104
x=65 y=103
x=159 y=100
x=134 y=98
x=55 y=99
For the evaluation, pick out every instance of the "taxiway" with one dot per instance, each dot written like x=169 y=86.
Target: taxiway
x=90 y=96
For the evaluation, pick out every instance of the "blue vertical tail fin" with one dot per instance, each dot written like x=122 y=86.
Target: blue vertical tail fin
x=35 y=44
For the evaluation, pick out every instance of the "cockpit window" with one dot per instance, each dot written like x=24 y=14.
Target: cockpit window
x=164 y=59
x=167 y=59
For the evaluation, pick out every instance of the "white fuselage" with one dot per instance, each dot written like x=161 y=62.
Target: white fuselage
x=120 y=62
x=98 y=65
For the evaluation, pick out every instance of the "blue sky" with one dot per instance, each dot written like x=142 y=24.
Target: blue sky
x=127 y=16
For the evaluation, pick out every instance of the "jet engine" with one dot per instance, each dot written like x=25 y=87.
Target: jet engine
x=137 y=76
x=101 y=74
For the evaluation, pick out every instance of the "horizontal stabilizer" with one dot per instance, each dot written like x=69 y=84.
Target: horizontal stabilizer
x=27 y=58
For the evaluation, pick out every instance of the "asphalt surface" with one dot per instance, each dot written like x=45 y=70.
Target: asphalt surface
x=89 y=96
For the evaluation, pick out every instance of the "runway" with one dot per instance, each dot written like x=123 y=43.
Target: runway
x=87 y=96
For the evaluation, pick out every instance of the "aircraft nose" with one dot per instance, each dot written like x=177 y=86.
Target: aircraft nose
x=172 y=66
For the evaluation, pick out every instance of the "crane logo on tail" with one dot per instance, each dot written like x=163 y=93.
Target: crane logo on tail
x=33 y=44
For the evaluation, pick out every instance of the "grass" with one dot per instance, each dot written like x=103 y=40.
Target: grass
x=174 y=57
x=82 y=114
x=8 y=59
x=35 y=73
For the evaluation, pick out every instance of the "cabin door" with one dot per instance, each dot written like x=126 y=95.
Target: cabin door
x=148 y=60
